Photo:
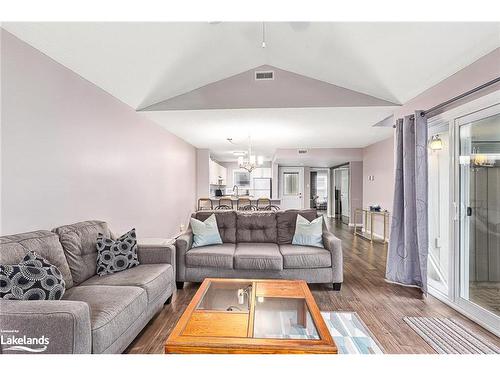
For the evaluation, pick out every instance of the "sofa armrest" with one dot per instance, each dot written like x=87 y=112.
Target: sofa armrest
x=154 y=252
x=61 y=326
x=334 y=246
x=182 y=245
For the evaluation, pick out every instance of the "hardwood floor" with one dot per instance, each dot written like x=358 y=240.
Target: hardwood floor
x=381 y=305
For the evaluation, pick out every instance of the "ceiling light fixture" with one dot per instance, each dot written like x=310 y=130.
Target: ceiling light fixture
x=251 y=161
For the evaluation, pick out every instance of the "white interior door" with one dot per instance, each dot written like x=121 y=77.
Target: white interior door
x=292 y=188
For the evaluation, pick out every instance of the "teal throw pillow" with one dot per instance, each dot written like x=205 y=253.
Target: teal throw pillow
x=308 y=233
x=205 y=232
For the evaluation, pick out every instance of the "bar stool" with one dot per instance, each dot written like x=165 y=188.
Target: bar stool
x=225 y=204
x=205 y=204
x=264 y=204
x=245 y=204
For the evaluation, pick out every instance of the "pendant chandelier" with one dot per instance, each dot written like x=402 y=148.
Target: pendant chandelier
x=250 y=161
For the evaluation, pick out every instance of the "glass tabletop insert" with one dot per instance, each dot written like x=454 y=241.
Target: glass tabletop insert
x=227 y=296
x=283 y=318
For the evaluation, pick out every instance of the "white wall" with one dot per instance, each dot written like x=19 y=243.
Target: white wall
x=72 y=152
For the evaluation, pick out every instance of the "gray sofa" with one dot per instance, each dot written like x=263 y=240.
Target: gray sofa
x=98 y=314
x=259 y=245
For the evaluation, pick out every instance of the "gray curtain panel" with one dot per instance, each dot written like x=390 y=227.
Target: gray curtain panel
x=408 y=244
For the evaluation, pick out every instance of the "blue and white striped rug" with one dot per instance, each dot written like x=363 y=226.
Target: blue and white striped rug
x=350 y=333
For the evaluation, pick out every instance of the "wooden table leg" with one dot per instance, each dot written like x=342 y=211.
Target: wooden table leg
x=385 y=225
x=371 y=228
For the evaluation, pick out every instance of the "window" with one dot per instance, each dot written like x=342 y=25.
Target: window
x=291 y=183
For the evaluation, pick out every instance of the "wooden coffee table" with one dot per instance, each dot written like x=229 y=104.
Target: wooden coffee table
x=251 y=316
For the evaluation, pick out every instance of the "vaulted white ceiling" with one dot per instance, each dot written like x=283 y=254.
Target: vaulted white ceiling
x=147 y=63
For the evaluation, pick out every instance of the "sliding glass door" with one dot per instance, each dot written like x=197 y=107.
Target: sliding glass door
x=479 y=192
x=464 y=209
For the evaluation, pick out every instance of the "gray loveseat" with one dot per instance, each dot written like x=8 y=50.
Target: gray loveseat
x=98 y=314
x=259 y=245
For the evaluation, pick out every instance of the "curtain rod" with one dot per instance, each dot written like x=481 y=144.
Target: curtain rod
x=458 y=97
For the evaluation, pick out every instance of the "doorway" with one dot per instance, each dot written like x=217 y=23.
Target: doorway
x=319 y=187
x=341 y=194
x=292 y=187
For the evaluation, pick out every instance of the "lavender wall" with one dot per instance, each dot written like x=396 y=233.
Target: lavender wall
x=355 y=190
x=72 y=152
x=381 y=190
x=378 y=161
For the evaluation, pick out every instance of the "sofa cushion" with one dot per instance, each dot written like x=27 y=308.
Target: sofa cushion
x=20 y=282
x=79 y=243
x=296 y=256
x=205 y=233
x=226 y=222
x=215 y=256
x=258 y=256
x=286 y=221
x=308 y=233
x=256 y=227
x=113 y=309
x=116 y=255
x=153 y=278
x=44 y=243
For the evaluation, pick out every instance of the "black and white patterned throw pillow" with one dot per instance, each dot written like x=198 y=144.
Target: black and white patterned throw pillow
x=116 y=255
x=34 y=278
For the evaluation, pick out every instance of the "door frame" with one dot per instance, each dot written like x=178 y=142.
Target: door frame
x=474 y=110
x=300 y=170
x=336 y=170
x=328 y=185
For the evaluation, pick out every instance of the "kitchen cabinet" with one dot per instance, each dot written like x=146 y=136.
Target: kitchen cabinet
x=217 y=174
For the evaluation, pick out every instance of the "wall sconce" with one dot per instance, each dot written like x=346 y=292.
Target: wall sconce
x=436 y=143
x=479 y=160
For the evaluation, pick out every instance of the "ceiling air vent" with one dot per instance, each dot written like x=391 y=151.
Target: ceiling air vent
x=267 y=75
x=302 y=151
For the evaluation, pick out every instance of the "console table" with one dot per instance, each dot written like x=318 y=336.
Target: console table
x=369 y=215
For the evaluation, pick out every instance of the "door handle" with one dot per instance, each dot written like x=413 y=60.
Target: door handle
x=469 y=211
